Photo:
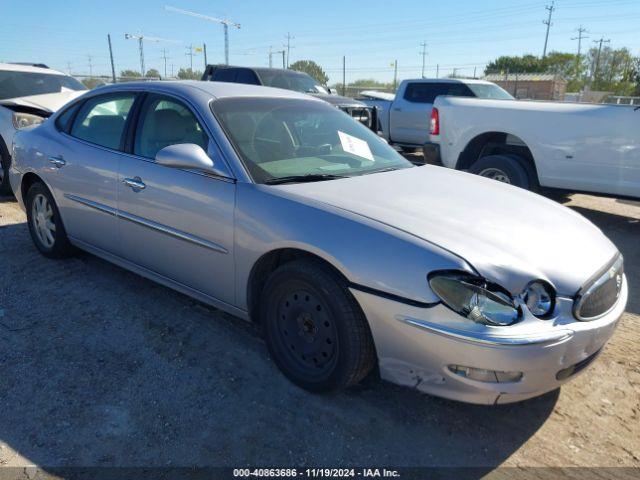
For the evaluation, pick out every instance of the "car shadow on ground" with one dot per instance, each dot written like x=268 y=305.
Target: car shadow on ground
x=101 y=367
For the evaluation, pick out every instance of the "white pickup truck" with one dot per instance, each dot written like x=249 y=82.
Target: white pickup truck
x=571 y=146
x=404 y=119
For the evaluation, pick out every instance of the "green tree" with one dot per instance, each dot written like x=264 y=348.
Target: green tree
x=130 y=74
x=311 y=68
x=152 y=73
x=92 y=82
x=188 y=74
x=520 y=64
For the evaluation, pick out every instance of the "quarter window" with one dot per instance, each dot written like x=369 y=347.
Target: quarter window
x=165 y=122
x=101 y=120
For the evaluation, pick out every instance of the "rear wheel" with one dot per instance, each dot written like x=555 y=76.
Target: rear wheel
x=315 y=330
x=506 y=169
x=45 y=225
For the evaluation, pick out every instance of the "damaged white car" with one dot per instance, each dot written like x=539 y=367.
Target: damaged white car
x=28 y=95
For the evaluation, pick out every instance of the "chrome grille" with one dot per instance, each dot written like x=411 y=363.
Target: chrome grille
x=364 y=115
x=599 y=295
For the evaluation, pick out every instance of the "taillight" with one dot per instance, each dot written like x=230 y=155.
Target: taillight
x=434 y=124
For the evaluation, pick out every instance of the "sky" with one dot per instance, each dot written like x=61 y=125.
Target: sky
x=464 y=35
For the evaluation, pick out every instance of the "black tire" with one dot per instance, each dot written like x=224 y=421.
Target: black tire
x=314 y=328
x=506 y=168
x=59 y=247
x=5 y=186
x=409 y=150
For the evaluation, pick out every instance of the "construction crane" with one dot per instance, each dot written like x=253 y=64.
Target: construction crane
x=224 y=22
x=144 y=38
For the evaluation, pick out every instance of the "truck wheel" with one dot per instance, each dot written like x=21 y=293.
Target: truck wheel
x=505 y=168
x=315 y=330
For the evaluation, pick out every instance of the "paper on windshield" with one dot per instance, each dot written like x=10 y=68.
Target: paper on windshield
x=355 y=146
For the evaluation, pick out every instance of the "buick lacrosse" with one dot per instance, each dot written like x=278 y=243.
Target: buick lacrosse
x=279 y=208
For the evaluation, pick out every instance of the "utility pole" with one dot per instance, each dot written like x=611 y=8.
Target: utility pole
x=225 y=23
x=288 y=45
x=283 y=53
x=395 y=74
x=141 y=38
x=438 y=70
x=548 y=23
x=165 y=58
x=190 y=55
x=344 y=75
x=270 y=57
x=424 y=54
x=69 y=68
x=597 y=65
x=581 y=31
x=113 y=67
x=204 y=49
x=89 y=58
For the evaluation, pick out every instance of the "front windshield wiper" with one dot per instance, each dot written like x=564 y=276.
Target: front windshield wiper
x=309 y=177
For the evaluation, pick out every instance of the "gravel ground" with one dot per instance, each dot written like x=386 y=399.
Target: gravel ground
x=101 y=367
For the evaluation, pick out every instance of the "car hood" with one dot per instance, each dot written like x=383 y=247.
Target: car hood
x=48 y=102
x=509 y=235
x=339 y=100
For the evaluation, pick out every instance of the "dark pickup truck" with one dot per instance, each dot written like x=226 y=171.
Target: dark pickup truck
x=292 y=80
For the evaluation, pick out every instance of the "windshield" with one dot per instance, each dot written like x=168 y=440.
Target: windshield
x=280 y=137
x=289 y=80
x=23 y=84
x=483 y=90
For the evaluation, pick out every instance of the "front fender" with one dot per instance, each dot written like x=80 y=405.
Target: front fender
x=366 y=252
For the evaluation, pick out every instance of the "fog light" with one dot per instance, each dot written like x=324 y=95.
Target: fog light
x=483 y=375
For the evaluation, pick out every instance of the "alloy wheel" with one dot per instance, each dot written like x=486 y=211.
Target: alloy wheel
x=495 y=174
x=43 y=221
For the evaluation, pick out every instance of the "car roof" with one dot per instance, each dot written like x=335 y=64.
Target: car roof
x=450 y=80
x=16 y=67
x=205 y=88
x=261 y=69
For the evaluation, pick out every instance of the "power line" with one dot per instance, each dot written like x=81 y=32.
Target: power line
x=548 y=23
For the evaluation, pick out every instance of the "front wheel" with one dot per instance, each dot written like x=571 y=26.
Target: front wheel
x=314 y=328
x=506 y=169
x=45 y=225
x=5 y=187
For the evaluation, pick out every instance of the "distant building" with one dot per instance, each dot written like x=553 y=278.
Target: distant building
x=532 y=86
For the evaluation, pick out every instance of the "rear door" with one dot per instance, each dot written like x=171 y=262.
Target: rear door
x=411 y=110
x=176 y=223
x=87 y=158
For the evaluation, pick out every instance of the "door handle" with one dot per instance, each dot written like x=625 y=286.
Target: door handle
x=57 y=161
x=135 y=183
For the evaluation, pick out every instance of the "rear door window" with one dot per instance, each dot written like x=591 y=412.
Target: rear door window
x=225 y=75
x=247 y=76
x=101 y=120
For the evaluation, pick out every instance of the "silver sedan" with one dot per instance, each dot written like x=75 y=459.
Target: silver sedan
x=280 y=209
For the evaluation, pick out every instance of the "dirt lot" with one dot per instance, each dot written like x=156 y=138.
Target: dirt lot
x=102 y=367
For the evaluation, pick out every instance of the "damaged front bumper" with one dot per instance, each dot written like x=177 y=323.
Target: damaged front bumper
x=438 y=352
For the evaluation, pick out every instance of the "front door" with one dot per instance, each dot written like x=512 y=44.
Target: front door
x=176 y=223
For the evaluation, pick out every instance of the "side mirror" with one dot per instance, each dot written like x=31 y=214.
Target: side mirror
x=184 y=155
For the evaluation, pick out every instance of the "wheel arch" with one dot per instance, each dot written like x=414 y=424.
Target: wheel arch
x=268 y=263
x=495 y=143
x=29 y=179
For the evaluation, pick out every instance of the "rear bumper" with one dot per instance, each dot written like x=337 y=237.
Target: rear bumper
x=417 y=346
x=431 y=152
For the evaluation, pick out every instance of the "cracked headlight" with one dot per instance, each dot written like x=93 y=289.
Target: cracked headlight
x=475 y=298
x=22 y=120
